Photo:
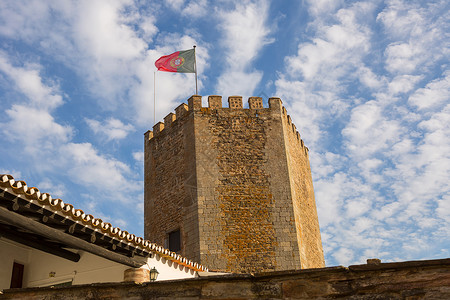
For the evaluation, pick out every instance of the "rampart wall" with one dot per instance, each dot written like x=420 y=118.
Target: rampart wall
x=402 y=280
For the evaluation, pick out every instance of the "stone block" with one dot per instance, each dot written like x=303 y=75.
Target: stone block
x=235 y=102
x=181 y=110
x=148 y=135
x=169 y=119
x=255 y=103
x=214 y=102
x=195 y=102
x=158 y=127
x=275 y=103
x=137 y=275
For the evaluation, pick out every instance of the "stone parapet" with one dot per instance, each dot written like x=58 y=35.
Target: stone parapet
x=215 y=102
x=428 y=279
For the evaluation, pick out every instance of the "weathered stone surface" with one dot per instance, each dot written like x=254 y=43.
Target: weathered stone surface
x=137 y=275
x=405 y=280
x=237 y=182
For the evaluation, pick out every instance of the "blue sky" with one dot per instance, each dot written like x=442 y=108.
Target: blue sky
x=366 y=82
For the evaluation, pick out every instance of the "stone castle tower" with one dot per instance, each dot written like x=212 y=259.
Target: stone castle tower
x=231 y=188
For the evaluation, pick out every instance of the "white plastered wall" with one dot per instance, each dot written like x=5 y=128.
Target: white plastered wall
x=43 y=269
x=169 y=270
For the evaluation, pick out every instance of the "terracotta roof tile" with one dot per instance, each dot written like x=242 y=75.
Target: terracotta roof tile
x=33 y=194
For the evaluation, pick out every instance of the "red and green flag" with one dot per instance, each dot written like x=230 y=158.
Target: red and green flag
x=179 y=62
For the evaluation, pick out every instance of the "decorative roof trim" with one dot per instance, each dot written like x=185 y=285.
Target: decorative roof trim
x=33 y=195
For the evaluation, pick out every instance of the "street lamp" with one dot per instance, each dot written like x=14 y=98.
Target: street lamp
x=153 y=274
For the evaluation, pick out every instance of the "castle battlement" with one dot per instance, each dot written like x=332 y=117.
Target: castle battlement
x=231 y=187
x=235 y=103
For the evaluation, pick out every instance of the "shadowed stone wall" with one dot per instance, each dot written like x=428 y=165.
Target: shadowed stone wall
x=406 y=280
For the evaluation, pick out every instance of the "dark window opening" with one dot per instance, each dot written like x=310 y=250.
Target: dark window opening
x=175 y=241
x=17 y=276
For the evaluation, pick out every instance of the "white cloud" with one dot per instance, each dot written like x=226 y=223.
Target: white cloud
x=31 y=121
x=23 y=19
x=89 y=168
x=36 y=128
x=48 y=144
x=433 y=94
x=104 y=42
x=370 y=79
x=175 y=4
x=148 y=28
x=443 y=209
x=14 y=173
x=417 y=34
x=403 y=83
x=369 y=131
x=387 y=179
x=139 y=156
x=28 y=81
x=333 y=192
x=335 y=44
x=101 y=30
x=402 y=58
x=401 y=19
x=344 y=255
x=245 y=33
x=56 y=190
x=239 y=83
x=319 y=74
x=319 y=7
x=112 y=129
x=196 y=8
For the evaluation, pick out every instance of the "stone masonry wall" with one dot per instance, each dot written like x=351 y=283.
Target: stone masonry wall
x=283 y=217
x=243 y=192
x=414 y=280
x=304 y=204
x=224 y=177
x=169 y=182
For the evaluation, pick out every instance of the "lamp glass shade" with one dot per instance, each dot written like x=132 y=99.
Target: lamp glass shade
x=153 y=274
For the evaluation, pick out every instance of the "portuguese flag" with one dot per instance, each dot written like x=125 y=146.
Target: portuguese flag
x=180 y=62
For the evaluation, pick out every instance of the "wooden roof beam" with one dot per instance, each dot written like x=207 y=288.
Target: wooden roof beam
x=71 y=241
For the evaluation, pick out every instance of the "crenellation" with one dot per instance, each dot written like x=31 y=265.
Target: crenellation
x=255 y=103
x=158 y=127
x=275 y=103
x=169 y=119
x=235 y=102
x=148 y=135
x=289 y=120
x=195 y=102
x=181 y=110
x=214 y=101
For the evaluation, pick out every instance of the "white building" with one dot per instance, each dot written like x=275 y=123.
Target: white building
x=46 y=242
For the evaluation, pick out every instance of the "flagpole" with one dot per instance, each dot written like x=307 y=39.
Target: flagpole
x=154 y=97
x=195 y=66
